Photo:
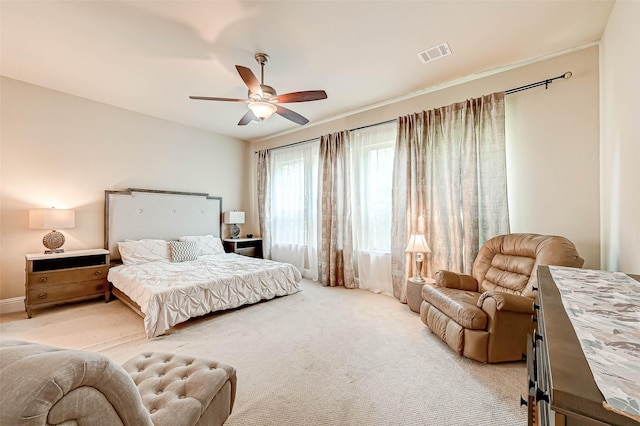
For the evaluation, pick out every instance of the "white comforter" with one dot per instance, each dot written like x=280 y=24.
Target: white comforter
x=170 y=293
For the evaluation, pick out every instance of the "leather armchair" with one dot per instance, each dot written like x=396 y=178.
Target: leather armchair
x=486 y=316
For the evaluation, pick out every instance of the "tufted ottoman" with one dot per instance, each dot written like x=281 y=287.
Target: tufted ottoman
x=181 y=389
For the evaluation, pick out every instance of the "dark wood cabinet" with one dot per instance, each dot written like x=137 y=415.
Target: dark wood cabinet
x=56 y=278
x=562 y=390
x=245 y=246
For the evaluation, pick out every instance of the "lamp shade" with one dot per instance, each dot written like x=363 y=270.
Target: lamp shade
x=233 y=217
x=262 y=110
x=51 y=218
x=417 y=244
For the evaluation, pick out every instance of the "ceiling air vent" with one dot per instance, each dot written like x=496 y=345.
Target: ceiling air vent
x=434 y=53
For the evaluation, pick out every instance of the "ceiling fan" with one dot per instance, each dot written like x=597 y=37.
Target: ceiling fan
x=263 y=100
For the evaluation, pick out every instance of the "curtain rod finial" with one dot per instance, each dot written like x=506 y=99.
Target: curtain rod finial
x=567 y=75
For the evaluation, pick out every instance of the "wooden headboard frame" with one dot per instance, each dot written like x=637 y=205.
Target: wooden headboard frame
x=166 y=215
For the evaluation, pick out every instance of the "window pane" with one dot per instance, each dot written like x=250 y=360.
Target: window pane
x=373 y=150
x=293 y=194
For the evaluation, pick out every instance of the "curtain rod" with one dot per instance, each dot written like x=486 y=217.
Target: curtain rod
x=313 y=139
x=546 y=83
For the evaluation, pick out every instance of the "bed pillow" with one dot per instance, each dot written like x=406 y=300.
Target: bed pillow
x=143 y=251
x=181 y=251
x=206 y=244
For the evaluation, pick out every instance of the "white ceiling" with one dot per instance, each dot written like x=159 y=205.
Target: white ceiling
x=149 y=56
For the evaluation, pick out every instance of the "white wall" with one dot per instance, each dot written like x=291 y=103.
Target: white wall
x=552 y=144
x=64 y=151
x=620 y=139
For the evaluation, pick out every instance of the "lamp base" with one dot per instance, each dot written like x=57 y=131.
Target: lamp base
x=53 y=241
x=235 y=231
x=418 y=278
x=54 y=251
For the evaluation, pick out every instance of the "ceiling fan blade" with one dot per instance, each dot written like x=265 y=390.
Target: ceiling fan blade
x=306 y=96
x=291 y=115
x=247 y=118
x=250 y=80
x=207 y=98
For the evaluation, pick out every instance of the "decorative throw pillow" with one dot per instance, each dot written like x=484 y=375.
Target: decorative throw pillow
x=182 y=251
x=143 y=251
x=206 y=244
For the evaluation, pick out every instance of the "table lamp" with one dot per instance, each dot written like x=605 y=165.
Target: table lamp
x=234 y=218
x=53 y=219
x=418 y=244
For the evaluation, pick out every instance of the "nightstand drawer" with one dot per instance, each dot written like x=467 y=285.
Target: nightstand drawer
x=247 y=251
x=67 y=276
x=54 y=293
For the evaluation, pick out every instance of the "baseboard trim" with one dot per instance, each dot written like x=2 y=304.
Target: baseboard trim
x=15 y=304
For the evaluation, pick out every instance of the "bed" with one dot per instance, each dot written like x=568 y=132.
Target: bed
x=171 y=264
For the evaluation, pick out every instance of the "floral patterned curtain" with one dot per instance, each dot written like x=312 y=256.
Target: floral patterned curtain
x=450 y=184
x=335 y=259
x=264 y=201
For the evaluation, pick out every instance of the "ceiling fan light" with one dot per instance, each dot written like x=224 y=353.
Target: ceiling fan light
x=262 y=110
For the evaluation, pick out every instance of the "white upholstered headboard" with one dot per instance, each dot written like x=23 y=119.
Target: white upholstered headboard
x=166 y=215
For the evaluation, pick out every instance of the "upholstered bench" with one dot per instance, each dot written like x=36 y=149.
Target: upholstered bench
x=45 y=385
x=198 y=391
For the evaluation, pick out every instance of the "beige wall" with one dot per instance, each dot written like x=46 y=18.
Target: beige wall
x=553 y=155
x=552 y=144
x=620 y=139
x=63 y=151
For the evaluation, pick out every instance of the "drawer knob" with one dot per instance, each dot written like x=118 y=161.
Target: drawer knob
x=541 y=395
x=98 y=272
x=99 y=286
x=523 y=401
x=43 y=279
x=42 y=296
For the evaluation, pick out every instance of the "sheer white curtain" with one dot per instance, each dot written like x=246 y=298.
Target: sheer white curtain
x=293 y=194
x=372 y=177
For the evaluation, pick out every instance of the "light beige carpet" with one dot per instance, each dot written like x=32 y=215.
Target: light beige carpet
x=324 y=356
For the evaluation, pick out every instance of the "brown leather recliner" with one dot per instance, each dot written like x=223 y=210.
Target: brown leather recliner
x=486 y=316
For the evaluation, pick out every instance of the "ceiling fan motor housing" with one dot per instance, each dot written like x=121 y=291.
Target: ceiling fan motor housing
x=268 y=92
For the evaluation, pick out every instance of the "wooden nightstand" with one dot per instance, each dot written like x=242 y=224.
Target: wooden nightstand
x=58 y=278
x=245 y=246
x=414 y=292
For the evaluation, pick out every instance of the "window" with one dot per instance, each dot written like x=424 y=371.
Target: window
x=373 y=150
x=293 y=189
x=372 y=177
x=289 y=197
